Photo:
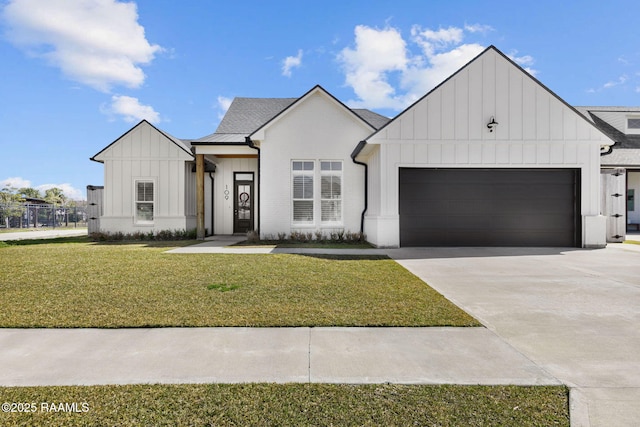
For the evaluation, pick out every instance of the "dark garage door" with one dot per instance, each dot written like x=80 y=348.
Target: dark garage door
x=489 y=207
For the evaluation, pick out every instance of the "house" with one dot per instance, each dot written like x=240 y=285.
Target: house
x=490 y=157
x=620 y=168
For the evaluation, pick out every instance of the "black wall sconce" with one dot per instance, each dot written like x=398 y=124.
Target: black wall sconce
x=492 y=123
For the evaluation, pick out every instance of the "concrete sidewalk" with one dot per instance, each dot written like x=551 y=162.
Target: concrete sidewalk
x=40 y=234
x=31 y=357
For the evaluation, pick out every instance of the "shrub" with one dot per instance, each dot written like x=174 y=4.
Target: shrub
x=103 y=236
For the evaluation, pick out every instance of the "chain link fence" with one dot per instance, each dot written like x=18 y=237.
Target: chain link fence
x=27 y=215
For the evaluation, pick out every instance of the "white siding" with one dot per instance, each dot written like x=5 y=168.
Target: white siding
x=448 y=128
x=316 y=128
x=145 y=154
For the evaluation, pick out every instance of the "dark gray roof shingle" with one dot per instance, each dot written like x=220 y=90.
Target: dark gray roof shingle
x=246 y=115
x=626 y=150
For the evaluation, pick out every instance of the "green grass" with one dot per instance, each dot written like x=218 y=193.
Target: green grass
x=70 y=282
x=293 y=405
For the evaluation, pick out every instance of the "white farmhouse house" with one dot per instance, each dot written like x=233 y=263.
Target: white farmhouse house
x=490 y=157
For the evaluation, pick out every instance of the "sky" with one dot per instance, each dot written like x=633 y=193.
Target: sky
x=77 y=74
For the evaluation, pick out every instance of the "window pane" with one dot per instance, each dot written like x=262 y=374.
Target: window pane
x=633 y=123
x=303 y=210
x=330 y=187
x=244 y=177
x=303 y=187
x=331 y=166
x=308 y=166
x=144 y=211
x=297 y=166
x=144 y=192
x=331 y=210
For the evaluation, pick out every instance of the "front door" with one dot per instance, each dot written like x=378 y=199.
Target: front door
x=243 y=202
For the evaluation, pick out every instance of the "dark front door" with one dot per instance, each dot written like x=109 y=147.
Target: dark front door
x=243 y=202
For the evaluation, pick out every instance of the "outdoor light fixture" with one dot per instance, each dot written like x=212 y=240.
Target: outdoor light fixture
x=492 y=123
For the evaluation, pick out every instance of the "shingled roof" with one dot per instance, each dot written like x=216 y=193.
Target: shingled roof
x=245 y=115
x=626 y=150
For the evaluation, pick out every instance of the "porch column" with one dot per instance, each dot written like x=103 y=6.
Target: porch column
x=200 y=196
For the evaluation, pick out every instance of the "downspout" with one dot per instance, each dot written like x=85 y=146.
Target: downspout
x=359 y=147
x=252 y=145
x=212 y=204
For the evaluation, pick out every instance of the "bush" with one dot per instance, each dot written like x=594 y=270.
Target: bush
x=161 y=235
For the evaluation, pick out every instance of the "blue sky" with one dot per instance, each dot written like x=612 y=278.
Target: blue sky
x=77 y=74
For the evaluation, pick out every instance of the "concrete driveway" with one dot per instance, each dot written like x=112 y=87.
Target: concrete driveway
x=574 y=312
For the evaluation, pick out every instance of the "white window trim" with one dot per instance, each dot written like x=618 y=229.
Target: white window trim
x=340 y=221
x=137 y=221
x=311 y=173
x=628 y=130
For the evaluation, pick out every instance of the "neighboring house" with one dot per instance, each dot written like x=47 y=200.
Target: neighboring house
x=490 y=157
x=620 y=168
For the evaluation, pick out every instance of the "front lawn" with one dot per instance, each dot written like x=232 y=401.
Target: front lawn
x=289 y=405
x=76 y=283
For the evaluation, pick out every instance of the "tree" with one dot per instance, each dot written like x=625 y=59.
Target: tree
x=11 y=205
x=55 y=196
x=30 y=192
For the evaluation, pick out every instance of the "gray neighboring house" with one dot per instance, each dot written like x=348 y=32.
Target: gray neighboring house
x=620 y=168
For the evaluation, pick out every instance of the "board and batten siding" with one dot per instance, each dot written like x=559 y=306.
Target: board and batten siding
x=448 y=128
x=146 y=154
x=223 y=205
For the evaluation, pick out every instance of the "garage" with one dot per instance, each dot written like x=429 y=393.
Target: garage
x=489 y=207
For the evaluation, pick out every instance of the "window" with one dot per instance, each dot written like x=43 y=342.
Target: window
x=631 y=203
x=633 y=125
x=302 y=176
x=144 y=201
x=331 y=191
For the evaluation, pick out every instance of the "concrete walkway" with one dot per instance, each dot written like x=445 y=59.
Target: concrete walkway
x=230 y=355
x=224 y=245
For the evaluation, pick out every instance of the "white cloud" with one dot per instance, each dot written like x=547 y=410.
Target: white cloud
x=621 y=80
x=478 y=28
x=69 y=191
x=131 y=109
x=611 y=84
x=421 y=79
x=385 y=72
x=524 y=61
x=377 y=53
x=223 y=105
x=15 y=182
x=291 y=62
x=96 y=42
x=18 y=182
x=430 y=40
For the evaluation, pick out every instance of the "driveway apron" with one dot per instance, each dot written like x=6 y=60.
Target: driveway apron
x=573 y=312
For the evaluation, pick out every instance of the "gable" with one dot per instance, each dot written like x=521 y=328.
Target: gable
x=311 y=110
x=145 y=141
x=490 y=86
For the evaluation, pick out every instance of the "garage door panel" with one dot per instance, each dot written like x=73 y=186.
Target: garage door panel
x=488 y=207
